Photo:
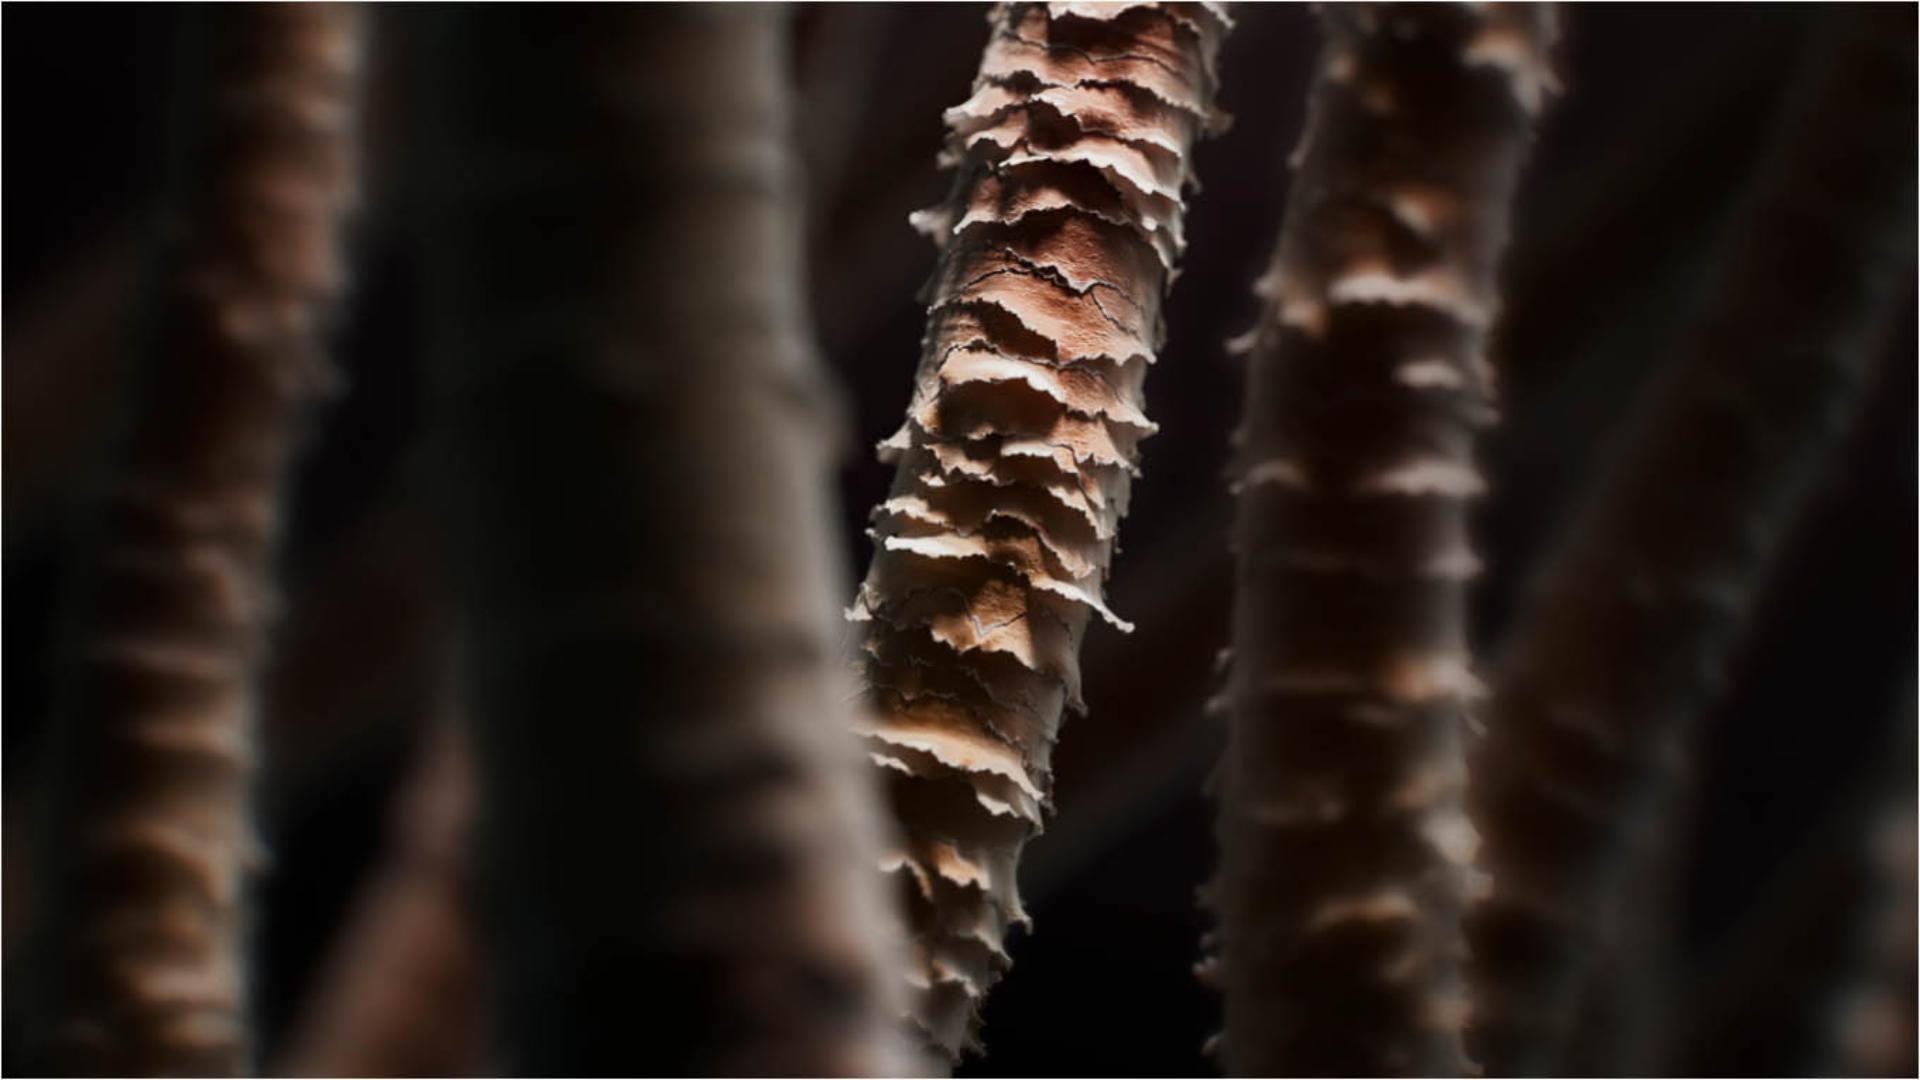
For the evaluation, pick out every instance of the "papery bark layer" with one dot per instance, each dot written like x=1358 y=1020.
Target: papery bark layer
x=1019 y=451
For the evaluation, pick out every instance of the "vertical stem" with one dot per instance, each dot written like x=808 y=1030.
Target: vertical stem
x=1345 y=846
x=1017 y=456
x=147 y=841
x=676 y=837
x=1625 y=633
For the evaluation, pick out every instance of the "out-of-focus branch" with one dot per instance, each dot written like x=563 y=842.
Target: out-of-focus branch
x=1623 y=635
x=401 y=995
x=1809 y=979
x=358 y=647
x=1873 y=1019
x=840 y=57
x=1344 y=842
x=146 y=841
x=676 y=837
x=63 y=347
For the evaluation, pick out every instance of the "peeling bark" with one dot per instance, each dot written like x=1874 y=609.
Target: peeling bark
x=147 y=842
x=1018 y=452
x=676 y=833
x=1344 y=843
x=1624 y=635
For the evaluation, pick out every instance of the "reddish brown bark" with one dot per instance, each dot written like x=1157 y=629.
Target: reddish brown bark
x=1017 y=456
x=148 y=842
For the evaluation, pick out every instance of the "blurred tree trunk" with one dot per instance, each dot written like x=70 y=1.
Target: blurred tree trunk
x=1815 y=976
x=1344 y=840
x=1872 y=1017
x=146 y=843
x=401 y=995
x=1626 y=632
x=676 y=837
x=1017 y=455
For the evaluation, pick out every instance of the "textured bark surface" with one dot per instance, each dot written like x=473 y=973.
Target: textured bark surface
x=1018 y=452
x=1344 y=842
x=676 y=833
x=1624 y=635
x=147 y=840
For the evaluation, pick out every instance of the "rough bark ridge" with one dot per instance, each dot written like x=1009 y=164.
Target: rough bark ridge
x=676 y=830
x=147 y=840
x=1018 y=451
x=1624 y=635
x=1344 y=843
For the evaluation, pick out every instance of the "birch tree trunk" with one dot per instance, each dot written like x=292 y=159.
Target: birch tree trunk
x=146 y=845
x=1345 y=846
x=1624 y=635
x=1018 y=451
x=676 y=835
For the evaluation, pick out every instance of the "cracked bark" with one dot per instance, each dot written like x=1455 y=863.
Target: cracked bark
x=147 y=842
x=1018 y=452
x=1344 y=843
x=1625 y=632
x=676 y=834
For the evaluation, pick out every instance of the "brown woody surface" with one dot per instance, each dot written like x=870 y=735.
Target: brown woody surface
x=147 y=842
x=1018 y=452
x=676 y=835
x=1623 y=638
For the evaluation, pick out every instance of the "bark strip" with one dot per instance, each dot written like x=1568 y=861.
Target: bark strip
x=147 y=841
x=676 y=833
x=1344 y=842
x=1019 y=450
x=1625 y=634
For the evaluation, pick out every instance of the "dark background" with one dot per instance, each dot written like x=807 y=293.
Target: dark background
x=1624 y=216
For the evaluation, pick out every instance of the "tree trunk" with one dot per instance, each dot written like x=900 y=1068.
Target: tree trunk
x=1345 y=846
x=1624 y=635
x=147 y=841
x=1018 y=451
x=676 y=836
